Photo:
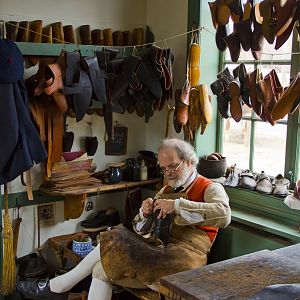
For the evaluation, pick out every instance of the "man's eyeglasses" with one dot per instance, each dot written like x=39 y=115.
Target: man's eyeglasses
x=170 y=170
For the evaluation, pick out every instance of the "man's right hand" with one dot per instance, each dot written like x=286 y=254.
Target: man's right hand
x=147 y=207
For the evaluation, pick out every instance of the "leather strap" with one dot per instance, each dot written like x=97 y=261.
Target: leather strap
x=29 y=185
x=57 y=134
x=97 y=76
x=37 y=112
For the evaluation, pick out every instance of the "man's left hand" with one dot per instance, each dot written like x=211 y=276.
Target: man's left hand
x=166 y=206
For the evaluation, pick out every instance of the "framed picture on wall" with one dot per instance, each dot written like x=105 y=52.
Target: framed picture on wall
x=118 y=146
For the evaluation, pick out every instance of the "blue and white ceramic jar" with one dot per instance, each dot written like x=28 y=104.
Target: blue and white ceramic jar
x=82 y=248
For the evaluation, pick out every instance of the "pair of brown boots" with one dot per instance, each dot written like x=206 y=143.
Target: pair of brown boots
x=264 y=92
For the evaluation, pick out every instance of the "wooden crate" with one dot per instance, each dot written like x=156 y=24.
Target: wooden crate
x=63 y=243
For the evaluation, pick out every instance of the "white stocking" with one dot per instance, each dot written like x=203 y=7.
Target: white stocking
x=100 y=290
x=66 y=281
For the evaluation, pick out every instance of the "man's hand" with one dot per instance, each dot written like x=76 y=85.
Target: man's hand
x=147 y=207
x=166 y=206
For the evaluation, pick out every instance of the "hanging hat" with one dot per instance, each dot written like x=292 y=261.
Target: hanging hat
x=11 y=62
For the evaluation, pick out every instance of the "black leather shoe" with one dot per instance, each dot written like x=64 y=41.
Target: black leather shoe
x=38 y=289
x=162 y=227
x=102 y=220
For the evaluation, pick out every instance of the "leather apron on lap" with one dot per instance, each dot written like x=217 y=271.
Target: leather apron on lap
x=128 y=260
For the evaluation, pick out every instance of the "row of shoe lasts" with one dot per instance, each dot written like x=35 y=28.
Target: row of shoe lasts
x=33 y=31
x=265 y=95
x=254 y=22
x=194 y=112
x=262 y=183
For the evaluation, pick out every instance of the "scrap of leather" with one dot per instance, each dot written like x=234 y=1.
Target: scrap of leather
x=54 y=85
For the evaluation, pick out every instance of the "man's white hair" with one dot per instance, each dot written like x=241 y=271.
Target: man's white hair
x=184 y=150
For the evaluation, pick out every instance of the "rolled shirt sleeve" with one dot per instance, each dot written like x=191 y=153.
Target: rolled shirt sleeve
x=214 y=211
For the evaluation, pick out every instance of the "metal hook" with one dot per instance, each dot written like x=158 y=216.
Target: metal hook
x=135 y=51
x=90 y=132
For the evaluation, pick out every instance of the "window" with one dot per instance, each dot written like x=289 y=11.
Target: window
x=257 y=145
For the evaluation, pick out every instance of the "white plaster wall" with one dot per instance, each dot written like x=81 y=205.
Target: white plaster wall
x=116 y=14
x=119 y=15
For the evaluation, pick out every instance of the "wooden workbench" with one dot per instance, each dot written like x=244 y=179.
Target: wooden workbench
x=236 y=278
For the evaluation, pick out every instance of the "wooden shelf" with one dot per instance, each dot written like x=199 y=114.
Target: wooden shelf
x=101 y=188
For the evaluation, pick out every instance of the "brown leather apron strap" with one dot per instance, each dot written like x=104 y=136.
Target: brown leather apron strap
x=37 y=112
x=49 y=141
x=57 y=134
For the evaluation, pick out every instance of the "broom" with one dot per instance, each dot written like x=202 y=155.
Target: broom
x=8 y=267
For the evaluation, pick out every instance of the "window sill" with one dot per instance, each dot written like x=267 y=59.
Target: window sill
x=266 y=224
x=264 y=212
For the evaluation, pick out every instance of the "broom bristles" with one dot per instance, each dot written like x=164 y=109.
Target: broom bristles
x=8 y=267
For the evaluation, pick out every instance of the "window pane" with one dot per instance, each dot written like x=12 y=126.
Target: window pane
x=283 y=53
x=283 y=72
x=236 y=143
x=269 y=148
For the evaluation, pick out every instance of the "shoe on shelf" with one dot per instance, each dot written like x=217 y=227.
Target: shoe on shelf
x=247 y=180
x=264 y=184
x=293 y=201
x=281 y=188
x=38 y=289
x=232 y=179
x=102 y=220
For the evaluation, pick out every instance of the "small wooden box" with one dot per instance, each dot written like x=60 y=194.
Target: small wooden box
x=64 y=243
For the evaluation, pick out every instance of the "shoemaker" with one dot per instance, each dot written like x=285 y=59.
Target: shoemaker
x=125 y=258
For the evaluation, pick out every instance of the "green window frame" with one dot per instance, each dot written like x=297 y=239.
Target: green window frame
x=257 y=211
x=292 y=155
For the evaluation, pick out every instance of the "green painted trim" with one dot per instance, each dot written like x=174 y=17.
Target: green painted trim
x=252 y=146
x=44 y=49
x=264 y=205
x=21 y=199
x=292 y=156
x=220 y=122
x=193 y=15
x=193 y=20
x=266 y=224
